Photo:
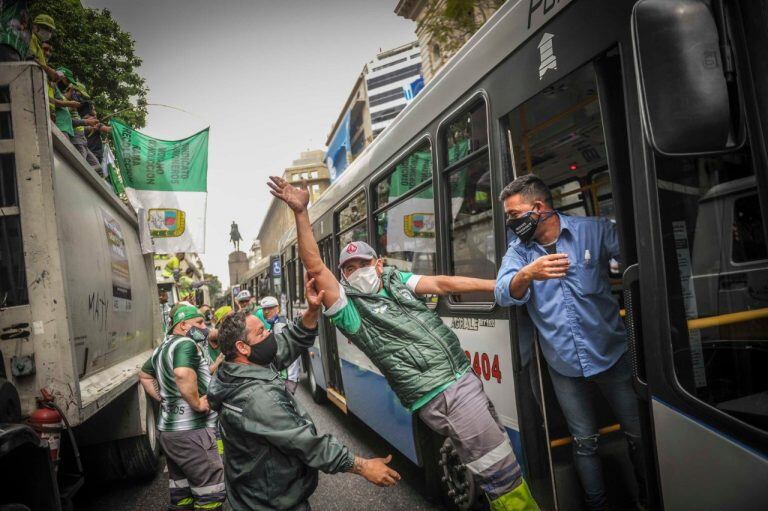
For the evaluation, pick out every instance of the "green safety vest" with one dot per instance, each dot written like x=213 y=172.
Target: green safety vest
x=406 y=340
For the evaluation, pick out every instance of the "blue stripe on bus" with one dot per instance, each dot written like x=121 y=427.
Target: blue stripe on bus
x=371 y=399
x=317 y=367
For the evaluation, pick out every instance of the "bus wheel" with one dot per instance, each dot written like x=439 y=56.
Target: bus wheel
x=318 y=394
x=460 y=491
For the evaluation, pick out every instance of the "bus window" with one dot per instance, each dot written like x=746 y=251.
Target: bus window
x=717 y=278
x=13 y=280
x=569 y=198
x=468 y=133
x=470 y=200
x=405 y=218
x=747 y=238
x=351 y=221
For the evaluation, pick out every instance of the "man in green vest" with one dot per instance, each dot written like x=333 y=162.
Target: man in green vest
x=421 y=358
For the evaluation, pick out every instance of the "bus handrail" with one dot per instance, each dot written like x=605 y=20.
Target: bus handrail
x=721 y=319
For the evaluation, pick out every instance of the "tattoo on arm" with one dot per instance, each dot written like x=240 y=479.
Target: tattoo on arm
x=358 y=465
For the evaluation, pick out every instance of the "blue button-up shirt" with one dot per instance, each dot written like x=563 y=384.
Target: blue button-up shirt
x=580 y=331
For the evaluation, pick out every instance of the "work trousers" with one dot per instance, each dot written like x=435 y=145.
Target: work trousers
x=195 y=469
x=464 y=414
x=576 y=398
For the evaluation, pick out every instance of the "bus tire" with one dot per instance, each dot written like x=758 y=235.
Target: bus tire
x=140 y=455
x=319 y=395
x=447 y=479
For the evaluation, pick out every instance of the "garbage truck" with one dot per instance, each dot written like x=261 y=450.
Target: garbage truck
x=79 y=313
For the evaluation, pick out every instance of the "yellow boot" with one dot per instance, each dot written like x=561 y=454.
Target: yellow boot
x=519 y=499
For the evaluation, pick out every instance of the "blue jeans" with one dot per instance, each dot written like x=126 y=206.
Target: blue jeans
x=575 y=396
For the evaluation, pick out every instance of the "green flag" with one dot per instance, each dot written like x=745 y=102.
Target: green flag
x=166 y=182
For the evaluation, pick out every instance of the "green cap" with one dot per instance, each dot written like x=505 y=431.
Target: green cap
x=45 y=20
x=259 y=313
x=183 y=313
x=69 y=75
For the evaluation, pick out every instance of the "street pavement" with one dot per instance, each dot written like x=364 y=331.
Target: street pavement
x=341 y=492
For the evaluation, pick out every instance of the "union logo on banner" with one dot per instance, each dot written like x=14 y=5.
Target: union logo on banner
x=166 y=223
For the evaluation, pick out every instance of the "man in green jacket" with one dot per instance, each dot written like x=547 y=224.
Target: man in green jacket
x=377 y=309
x=273 y=451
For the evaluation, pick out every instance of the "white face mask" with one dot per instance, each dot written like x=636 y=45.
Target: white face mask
x=365 y=280
x=44 y=34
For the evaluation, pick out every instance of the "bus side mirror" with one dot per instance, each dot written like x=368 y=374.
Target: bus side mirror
x=683 y=90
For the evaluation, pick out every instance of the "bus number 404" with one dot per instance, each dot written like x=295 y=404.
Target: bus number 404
x=482 y=366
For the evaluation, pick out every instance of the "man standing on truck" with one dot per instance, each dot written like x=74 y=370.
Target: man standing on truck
x=557 y=266
x=273 y=449
x=177 y=376
x=421 y=358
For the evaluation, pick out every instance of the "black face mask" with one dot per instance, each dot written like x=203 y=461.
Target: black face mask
x=198 y=334
x=264 y=352
x=525 y=226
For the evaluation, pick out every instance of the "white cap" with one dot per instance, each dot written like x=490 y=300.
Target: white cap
x=243 y=295
x=268 y=302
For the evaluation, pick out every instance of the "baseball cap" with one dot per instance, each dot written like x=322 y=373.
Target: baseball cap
x=243 y=295
x=268 y=302
x=183 y=313
x=45 y=20
x=220 y=313
x=356 y=250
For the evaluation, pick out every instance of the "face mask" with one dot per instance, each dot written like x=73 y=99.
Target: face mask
x=264 y=352
x=525 y=226
x=43 y=34
x=365 y=280
x=198 y=334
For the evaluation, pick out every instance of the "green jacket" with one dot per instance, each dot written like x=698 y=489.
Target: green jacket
x=407 y=341
x=272 y=451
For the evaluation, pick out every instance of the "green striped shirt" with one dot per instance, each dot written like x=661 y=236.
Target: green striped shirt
x=175 y=412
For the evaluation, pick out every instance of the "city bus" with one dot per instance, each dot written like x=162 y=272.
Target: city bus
x=652 y=113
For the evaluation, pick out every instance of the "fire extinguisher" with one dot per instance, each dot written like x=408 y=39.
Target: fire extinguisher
x=48 y=423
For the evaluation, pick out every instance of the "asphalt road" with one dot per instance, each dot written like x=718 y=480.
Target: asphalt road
x=342 y=492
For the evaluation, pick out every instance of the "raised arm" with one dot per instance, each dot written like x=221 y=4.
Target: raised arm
x=309 y=252
x=299 y=335
x=447 y=285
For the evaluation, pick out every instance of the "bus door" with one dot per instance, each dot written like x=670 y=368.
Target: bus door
x=703 y=284
x=329 y=348
x=572 y=135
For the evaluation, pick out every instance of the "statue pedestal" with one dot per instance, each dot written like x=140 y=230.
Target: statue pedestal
x=238 y=267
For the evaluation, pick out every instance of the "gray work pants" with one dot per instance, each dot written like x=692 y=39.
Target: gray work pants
x=463 y=413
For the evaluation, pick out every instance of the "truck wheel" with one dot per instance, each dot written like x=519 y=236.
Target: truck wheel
x=140 y=454
x=10 y=406
x=318 y=394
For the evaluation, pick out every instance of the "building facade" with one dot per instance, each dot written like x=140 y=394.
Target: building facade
x=436 y=50
x=382 y=89
x=393 y=78
x=309 y=171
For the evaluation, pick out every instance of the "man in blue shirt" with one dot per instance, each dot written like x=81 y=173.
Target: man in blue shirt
x=557 y=266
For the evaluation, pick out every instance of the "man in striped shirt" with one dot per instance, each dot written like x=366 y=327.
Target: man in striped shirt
x=177 y=376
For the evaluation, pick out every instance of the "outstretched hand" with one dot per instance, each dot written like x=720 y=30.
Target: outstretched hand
x=296 y=198
x=376 y=471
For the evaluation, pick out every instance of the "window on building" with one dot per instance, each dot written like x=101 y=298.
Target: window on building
x=470 y=200
x=405 y=214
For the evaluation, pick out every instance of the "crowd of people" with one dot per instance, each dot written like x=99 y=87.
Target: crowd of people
x=233 y=432
x=71 y=107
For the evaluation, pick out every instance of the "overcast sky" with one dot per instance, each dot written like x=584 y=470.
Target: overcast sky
x=268 y=76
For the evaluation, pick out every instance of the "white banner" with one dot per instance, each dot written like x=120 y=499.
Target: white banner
x=170 y=221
